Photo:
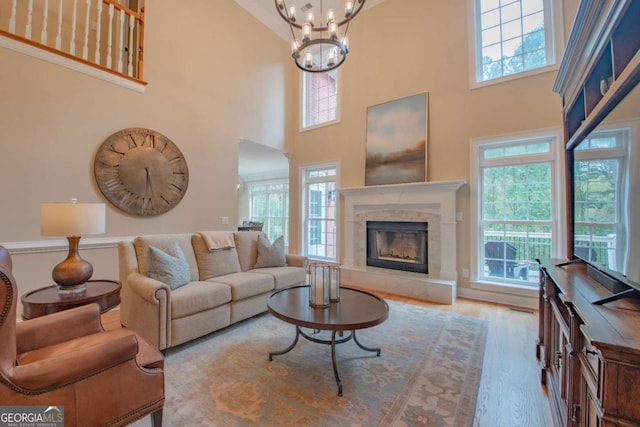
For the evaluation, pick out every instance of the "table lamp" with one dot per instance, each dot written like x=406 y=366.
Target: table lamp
x=72 y=220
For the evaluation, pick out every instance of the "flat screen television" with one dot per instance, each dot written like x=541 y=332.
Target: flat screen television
x=605 y=199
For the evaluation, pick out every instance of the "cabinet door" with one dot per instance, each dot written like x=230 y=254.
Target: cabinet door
x=588 y=413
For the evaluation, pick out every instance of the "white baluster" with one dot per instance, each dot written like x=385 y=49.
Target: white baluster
x=27 y=30
x=85 y=45
x=121 y=41
x=45 y=18
x=59 y=32
x=72 y=46
x=99 y=21
x=109 y=37
x=131 y=25
x=12 y=20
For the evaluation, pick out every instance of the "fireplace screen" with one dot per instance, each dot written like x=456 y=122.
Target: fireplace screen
x=397 y=245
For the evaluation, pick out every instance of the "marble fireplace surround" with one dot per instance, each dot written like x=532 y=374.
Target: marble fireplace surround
x=432 y=202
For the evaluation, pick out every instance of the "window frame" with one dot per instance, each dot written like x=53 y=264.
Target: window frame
x=267 y=219
x=554 y=40
x=558 y=194
x=305 y=207
x=304 y=101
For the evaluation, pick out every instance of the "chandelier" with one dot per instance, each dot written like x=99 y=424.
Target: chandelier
x=319 y=34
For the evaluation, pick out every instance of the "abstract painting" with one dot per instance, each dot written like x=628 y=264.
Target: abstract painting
x=397 y=141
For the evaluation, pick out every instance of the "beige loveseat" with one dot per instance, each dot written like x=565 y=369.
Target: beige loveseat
x=222 y=285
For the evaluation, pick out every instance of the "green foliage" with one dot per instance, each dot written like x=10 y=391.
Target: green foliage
x=530 y=54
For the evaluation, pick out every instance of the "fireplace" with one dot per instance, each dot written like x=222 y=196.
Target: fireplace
x=398 y=245
x=427 y=202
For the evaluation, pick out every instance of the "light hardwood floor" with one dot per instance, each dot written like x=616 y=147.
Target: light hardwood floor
x=510 y=392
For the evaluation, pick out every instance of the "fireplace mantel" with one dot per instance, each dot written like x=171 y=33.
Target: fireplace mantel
x=434 y=202
x=451 y=186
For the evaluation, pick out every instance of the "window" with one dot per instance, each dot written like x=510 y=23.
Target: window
x=516 y=199
x=600 y=172
x=513 y=37
x=269 y=204
x=319 y=98
x=319 y=213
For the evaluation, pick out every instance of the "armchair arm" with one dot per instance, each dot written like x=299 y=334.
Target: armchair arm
x=297 y=260
x=114 y=348
x=58 y=327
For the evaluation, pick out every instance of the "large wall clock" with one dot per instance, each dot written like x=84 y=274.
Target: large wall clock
x=141 y=172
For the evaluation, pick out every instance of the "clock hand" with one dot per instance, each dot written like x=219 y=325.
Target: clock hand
x=149 y=185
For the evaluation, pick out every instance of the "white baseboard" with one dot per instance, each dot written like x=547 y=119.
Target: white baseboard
x=500 y=298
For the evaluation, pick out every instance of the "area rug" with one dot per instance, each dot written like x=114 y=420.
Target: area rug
x=427 y=375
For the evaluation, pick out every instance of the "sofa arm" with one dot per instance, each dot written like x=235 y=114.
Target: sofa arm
x=297 y=261
x=146 y=309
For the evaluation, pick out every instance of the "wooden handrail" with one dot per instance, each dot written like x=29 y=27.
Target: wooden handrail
x=123 y=8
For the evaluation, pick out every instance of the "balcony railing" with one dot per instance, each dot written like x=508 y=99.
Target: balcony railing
x=104 y=34
x=529 y=246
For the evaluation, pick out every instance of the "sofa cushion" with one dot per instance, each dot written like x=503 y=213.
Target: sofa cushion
x=216 y=262
x=141 y=245
x=246 y=242
x=270 y=254
x=169 y=266
x=284 y=276
x=244 y=285
x=198 y=296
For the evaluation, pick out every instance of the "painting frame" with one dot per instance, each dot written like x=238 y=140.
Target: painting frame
x=397 y=141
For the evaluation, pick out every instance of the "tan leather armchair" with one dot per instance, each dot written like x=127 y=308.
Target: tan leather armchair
x=67 y=359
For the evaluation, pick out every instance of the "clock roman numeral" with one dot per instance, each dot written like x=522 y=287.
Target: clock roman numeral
x=112 y=148
x=149 y=140
x=132 y=141
x=128 y=198
x=108 y=166
x=114 y=184
x=164 y=147
x=147 y=204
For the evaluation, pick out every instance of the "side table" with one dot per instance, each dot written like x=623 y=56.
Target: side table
x=47 y=300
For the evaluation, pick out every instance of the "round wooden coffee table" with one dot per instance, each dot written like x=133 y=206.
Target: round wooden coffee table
x=356 y=310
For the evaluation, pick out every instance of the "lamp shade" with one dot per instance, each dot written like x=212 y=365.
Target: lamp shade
x=72 y=219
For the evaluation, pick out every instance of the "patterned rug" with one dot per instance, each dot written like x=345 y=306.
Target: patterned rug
x=427 y=375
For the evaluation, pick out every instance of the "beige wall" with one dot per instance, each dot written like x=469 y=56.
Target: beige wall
x=215 y=75
x=404 y=47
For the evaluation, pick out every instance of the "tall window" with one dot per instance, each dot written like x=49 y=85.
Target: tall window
x=319 y=98
x=269 y=204
x=517 y=216
x=512 y=36
x=600 y=171
x=319 y=216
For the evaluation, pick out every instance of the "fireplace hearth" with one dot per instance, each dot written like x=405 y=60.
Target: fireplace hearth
x=398 y=245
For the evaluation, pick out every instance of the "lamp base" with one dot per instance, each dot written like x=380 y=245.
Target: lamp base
x=72 y=290
x=72 y=274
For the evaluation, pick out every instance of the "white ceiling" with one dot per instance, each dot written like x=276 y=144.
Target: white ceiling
x=257 y=161
x=265 y=11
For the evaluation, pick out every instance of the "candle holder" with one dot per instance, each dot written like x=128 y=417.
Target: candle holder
x=319 y=284
x=334 y=283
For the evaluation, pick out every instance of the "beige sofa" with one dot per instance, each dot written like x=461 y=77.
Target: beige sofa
x=223 y=286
